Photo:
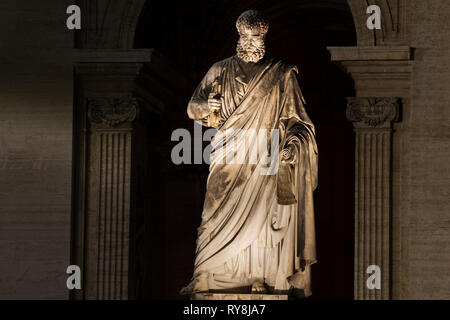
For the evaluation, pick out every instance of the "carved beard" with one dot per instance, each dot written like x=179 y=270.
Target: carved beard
x=251 y=53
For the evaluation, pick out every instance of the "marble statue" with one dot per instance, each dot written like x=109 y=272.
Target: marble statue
x=257 y=230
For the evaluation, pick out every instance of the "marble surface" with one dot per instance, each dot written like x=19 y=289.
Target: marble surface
x=238 y=296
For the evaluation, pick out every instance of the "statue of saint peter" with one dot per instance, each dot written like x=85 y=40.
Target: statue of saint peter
x=257 y=230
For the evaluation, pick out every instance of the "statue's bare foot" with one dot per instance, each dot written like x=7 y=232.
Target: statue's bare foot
x=258 y=287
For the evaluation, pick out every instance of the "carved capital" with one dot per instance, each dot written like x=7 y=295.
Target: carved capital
x=112 y=112
x=373 y=112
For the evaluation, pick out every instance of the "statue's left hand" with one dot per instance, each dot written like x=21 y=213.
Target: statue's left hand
x=288 y=154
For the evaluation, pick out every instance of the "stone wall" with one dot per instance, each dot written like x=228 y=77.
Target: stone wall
x=422 y=227
x=36 y=98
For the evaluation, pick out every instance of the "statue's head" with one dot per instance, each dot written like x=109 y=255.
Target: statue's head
x=252 y=27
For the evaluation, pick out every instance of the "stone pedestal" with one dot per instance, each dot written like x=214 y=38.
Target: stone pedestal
x=238 y=296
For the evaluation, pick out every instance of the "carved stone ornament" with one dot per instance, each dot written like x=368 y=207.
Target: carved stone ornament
x=373 y=112
x=112 y=111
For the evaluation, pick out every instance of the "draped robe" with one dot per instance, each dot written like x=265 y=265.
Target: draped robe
x=254 y=225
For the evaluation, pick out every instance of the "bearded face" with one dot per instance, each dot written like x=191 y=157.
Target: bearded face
x=251 y=46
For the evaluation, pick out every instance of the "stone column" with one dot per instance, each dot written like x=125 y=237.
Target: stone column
x=106 y=109
x=118 y=94
x=382 y=77
x=108 y=209
x=372 y=119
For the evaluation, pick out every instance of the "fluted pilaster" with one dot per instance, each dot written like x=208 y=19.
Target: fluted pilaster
x=108 y=217
x=372 y=119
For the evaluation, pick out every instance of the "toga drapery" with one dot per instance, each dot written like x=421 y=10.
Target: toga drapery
x=254 y=225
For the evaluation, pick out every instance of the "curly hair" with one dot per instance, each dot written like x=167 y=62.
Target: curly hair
x=252 y=19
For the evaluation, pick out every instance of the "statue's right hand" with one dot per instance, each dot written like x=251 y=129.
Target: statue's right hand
x=214 y=103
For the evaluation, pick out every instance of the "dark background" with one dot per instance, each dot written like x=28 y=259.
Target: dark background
x=193 y=36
